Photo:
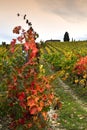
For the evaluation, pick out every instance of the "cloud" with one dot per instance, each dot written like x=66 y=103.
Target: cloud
x=69 y=10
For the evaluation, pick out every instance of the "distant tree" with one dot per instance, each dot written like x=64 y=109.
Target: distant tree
x=72 y=40
x=66 y=37
x=3 y=43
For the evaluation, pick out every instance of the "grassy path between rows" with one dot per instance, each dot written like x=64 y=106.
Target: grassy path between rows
x=69 y=90
x=73 y=115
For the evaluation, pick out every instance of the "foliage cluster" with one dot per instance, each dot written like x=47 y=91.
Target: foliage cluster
x=29 y=93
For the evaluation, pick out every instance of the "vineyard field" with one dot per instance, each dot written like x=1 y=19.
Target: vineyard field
x=63 y=57
x=59 y=60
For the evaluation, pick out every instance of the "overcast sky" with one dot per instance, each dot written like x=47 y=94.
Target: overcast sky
x=50 y=18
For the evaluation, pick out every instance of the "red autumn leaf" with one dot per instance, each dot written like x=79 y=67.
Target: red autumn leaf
x=21 y=96
x=40 y=89
x=22 y=104
x=11 y=104
x=20 y=38
x=45 y=97
x=29 y=125
x=21 y=121
x=33 y=53
x=33 y=110
x=44 y=115
x=12 y=125
x=14 y=78
x=34 y=92
x=51 y=96
x=26 y=46
x=13 y=45
x=12 y=50
x=42 y=104
x=17 y=29
x=31 y=101
x=55 y=116
x=13 y=42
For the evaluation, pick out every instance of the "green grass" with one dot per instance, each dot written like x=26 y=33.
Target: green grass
x=71 y=116
x=79 y=90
